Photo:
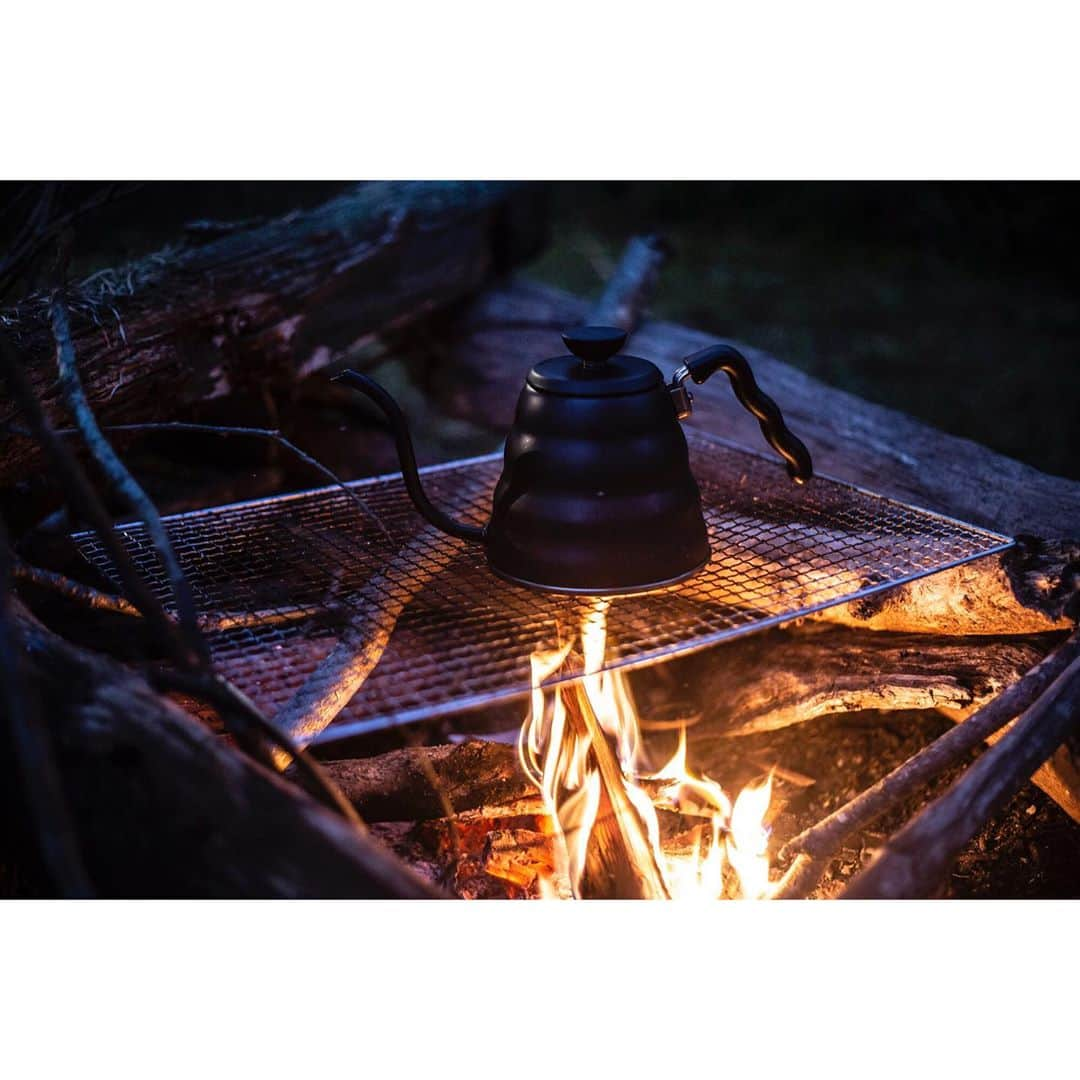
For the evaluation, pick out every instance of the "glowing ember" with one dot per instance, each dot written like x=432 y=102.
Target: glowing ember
x=603 y=798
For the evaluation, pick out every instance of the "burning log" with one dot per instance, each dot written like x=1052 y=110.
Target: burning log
x=398 y=786
x=620 y=863
x=276 y=300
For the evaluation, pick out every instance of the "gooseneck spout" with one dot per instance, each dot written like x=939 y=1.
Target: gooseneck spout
x=403 y=440
x=700 y=365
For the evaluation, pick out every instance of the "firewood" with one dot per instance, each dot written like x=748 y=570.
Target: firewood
x=271 y=301
x=915 y=861
x=768 y=681
x=817 y=845
x=162 y=807
x=395 y=787
x=620 y=863
x=774 y=679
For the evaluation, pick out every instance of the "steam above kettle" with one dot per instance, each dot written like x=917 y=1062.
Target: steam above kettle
x=596 y=494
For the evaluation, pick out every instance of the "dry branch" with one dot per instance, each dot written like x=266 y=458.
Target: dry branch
x=397 y=786
x=121 y=479
x=631 y=286
x=365 y=636
x=915 y=862
x=778 y=678
x=85 y=501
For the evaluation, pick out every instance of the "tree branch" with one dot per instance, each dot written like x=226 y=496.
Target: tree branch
x=122 y=480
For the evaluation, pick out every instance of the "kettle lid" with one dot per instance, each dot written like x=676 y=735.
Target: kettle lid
x=595 y=369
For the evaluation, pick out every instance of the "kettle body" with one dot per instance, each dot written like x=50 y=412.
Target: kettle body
x=596 y=494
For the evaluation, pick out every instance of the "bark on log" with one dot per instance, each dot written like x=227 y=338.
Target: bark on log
x=783 y=677
x=774 y=679
x=164 y=808
x=396 y=786
x=273 y=301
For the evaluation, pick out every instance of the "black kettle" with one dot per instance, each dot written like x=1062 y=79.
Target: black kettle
x=596 y=494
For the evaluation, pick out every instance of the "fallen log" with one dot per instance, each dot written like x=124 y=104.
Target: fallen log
x=162 y=807
x=784 y=677
x=269 y=302
x=397 y=786
x=778 y=678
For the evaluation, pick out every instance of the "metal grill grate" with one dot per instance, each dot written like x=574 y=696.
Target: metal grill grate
x=286 y=572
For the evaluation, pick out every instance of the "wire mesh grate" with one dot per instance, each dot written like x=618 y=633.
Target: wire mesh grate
x=280 y=579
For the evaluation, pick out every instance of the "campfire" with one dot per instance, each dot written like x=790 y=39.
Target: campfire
x=622 y=828
x=312 y=691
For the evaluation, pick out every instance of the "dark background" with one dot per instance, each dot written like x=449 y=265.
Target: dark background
x=955 y=302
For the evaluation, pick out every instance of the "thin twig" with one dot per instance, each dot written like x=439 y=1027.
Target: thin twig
x=273 y=435
x=73 y=590
x=212 y=622
x=121 y=478
x=87 y=504
x=41 y=782
x=916 y=861
x=225 y=431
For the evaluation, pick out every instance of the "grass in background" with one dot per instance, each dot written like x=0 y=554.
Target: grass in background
x=950 y=302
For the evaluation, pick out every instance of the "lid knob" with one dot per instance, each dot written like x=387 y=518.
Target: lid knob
x=594 y=345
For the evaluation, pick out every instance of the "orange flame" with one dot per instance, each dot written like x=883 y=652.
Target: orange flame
x=557 y=758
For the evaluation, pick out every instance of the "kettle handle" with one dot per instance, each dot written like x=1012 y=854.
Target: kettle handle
x=700 y=365
x=409 y=472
